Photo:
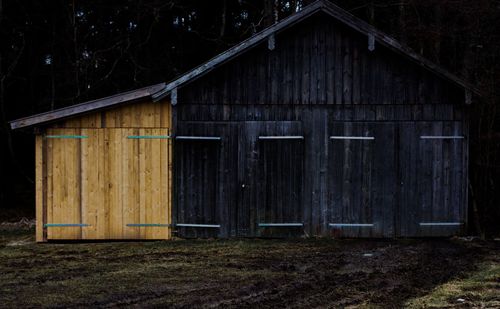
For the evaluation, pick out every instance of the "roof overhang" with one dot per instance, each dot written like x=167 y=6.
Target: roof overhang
x=86 y=107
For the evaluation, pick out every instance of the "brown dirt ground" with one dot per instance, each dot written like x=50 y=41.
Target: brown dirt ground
x=232 y=273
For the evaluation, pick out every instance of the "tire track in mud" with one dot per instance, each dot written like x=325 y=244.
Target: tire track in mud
x=309 y=273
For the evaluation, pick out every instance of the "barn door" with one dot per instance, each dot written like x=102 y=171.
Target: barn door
x=107 y=184
x=63 y=213
x=431 y=179
x=361 y=179
x=197 y=178
x=271 y=202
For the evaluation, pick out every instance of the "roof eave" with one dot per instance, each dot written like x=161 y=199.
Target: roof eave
x=86 y=107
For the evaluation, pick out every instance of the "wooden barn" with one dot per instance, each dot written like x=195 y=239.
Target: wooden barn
x=320 y=125
x=103 y=169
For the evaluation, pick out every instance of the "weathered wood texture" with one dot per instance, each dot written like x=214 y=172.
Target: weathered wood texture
x=319 y=8
x=362 y=178
x=40 y=186
x=321 y=61
x=322 y=81
x=146 y=114
x=433 y=186
x=278 y=112
x=280 y=183
x=96 y=175
x=394 y=181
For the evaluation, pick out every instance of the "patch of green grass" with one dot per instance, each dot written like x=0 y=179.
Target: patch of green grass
x=480 y=289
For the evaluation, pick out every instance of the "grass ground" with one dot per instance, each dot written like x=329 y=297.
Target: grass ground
x=249 y=273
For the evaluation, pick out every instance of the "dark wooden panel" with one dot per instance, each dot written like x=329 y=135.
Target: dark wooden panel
x=247 y=179
x=198 y=183
x=401 y=168
x=362 y=179
x=223 y=167
x=431 y=179
x=280 y=177
x=270 y=178
x=276 y=112
x=321 y=61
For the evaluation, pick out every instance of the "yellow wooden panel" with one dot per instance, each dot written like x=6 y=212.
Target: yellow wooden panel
x=72 y=192
x=142 y=183
x=126 y=117
x=93 y=211
x=63 y=202
x=157 y=115
x=165 y=114
x=148 y=114
x=152 y=184
x=39 y=172
x=55 y=206
x=164 y=211
x=114 y=162
x=169 y=169
x=107 y=180
x=145 y=114
x=50 y=173
x=75 y=122
x=165 y=185
x=131 y=202
x=110 y=118
x=155 y=159
x=88 y=183
x=147 y=185
x=103 y=206
x=92 y=120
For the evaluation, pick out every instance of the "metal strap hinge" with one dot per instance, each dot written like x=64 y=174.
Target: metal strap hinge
x=65 y=225
x=281 y=224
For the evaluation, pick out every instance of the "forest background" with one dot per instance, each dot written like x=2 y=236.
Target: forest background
x=61 y=52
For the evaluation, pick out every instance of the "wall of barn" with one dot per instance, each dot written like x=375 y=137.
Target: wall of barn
x=106 y=175
x=397 y=174
x=321 y=82
x=321 y=61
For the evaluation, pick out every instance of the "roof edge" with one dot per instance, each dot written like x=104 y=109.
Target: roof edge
x=393 y=44
x=239 y=48
x=337 y=13
x=86 y=107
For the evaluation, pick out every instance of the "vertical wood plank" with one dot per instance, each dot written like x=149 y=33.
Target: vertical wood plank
x=339 y=76
x=93 y=193
x=164 y=209
x=50 y=181
x=58 y=186
x=86 y=171
x=156 y=160
x=347 y=71
x=130 y=182
x=40 y=163
x=114 y=178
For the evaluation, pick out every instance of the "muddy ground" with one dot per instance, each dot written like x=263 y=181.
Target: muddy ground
x=244 y=273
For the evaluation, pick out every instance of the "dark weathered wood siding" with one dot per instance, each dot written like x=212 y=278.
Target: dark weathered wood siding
x=321 y=61
x=321 y=81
